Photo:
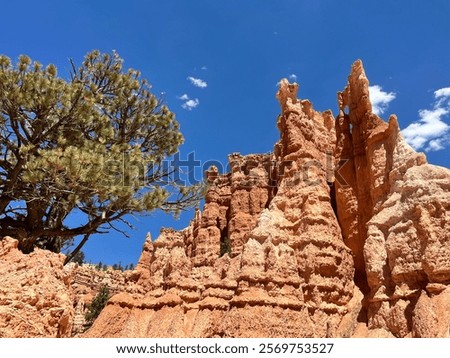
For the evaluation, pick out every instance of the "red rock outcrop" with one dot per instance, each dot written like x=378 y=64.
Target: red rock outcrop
x=86 y=281
x=342 y=231
x=395 y=211
x=39 y=297
x=301 y=224
x=35 y=295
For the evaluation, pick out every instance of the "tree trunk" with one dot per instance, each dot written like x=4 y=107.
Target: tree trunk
x=77 y=249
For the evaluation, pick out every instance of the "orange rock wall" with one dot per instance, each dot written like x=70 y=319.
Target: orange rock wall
x=35 y=294
x=342 y=231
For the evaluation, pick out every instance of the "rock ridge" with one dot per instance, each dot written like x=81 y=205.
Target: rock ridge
x=342 y=231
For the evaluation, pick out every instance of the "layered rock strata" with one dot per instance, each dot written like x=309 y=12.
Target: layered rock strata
x=394 y=209
x=342 y=231
x=86 y=282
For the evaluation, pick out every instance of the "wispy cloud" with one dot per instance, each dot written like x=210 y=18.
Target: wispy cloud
x=184 y=97
x=204 y=68
x=197 y=82
x=380 y=99
x=189 y=103
x=431 y=132
x=293 y=77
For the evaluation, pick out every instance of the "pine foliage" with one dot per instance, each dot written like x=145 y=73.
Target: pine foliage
x=94 y=146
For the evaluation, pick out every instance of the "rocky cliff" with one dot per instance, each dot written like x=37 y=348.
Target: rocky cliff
x=342 y=231
x=394 y=209
x=36 y=299
x=86 y=281
x=39 y=297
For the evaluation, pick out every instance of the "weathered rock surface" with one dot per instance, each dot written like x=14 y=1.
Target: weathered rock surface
x=395 y=208
x=342 y=231
x=41 y=298
x=287 y=272
x=35 y=295
x=86 y=281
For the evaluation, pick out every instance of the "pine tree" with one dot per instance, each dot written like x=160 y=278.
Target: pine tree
x=97 y=305
x=94 y=145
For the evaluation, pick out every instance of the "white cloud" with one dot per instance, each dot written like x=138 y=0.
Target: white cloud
x=380 y=99
x=431 y=132
x=188 y=103
x=184 y=97
x=443 y=92
x=204 y=68
x=436 y=144
x=197 y=82
x=293 y=77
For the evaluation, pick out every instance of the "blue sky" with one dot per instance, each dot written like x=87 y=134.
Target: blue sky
x=218 y=62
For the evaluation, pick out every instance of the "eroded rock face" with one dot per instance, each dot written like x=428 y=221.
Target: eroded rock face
x=295 y=235
x=395 y=215
x=86 y=282
x=39 y=297
x=342 y=231
x=35 y=295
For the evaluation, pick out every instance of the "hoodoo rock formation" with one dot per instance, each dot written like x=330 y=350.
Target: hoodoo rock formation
x=344 y=230
x=395 y=215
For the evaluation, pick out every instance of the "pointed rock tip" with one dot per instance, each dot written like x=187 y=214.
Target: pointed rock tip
x=285 y=83
x=358 y=69
x=393 y=122
x=358 y=62
x=286 y=90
